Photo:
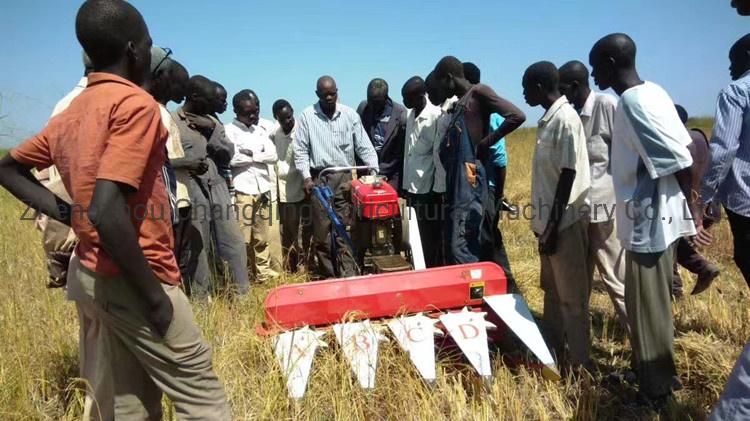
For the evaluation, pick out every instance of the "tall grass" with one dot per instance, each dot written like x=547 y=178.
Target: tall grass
x=38 y=350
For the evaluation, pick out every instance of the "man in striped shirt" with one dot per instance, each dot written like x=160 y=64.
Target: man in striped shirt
x=727 y=178
x=330 y=135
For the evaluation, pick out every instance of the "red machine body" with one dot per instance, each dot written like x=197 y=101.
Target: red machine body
x=382 y=296
x=375 y=201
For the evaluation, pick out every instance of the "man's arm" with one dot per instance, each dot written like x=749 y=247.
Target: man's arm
x=219 y=147
x=301 y=145
x=363 y=146
x=571 y=135
x=18 y=180
x=548 y=240
x=512 y=115
x=725 y=142
x=108 y=214
x=268 y=155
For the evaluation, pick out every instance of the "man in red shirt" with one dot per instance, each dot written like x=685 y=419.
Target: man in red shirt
x=109 y=147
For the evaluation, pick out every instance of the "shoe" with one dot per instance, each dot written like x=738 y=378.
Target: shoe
x=705 y=279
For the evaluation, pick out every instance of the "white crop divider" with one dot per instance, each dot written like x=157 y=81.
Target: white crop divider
x=295 y=351
x=360 y=343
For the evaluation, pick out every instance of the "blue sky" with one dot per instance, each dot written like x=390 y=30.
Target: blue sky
x=279 y=49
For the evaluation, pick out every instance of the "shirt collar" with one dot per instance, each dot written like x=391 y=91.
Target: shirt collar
x=553 y=110
x=319 y=110
x=449 y=103
x=744 y=75
x=83 y=82
x=588 y=106
x=96 y=78
x=244 y=126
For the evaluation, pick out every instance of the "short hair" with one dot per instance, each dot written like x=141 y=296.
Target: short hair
x=279 y=105
x=449 y=64
x=414 y=83
x=200 y=85
x=576 y=71
x=105 y=27
x=742 y=44
x=618 y=46
x=545 y=74
x=324 y=79
x=682 y=112
x=472 y=72
x=377 y=86
x=242 y=96
x=219 y=86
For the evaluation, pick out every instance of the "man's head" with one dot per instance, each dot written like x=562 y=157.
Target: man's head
x=115 y=37
x=742 y=6
x=413 y=92
x=472 y=73
x=539 y=81
x=246 y=107
x=739 y=57
x=327 y=93
x=200 y=92
x=284 y=114
x=434 y=91
x=574 y=82
x=448 y=72
x=682 y=112
x=610 y=58
x=220 y=98
x=377 y=95
x=179 y=79
x=159 y=85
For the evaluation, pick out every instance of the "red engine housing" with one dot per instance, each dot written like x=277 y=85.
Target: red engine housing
x=376 y=201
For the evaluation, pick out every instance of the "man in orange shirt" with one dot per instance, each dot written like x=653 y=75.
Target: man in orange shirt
x=109 y=147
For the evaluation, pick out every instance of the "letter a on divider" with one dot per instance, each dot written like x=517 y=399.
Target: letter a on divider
x=514 y=312
x=469 y=330
x=416 y=336
x=360 y=343
x=295 y=351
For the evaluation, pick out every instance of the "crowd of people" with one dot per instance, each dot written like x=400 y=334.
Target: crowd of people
x=136 y=200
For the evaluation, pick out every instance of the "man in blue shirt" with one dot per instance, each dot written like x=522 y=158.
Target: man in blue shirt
x=727 y=180
x=384 y=120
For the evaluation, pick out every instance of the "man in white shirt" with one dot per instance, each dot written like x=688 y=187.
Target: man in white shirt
x=251 y=171
x=597 y=111
x=418 y=177
x=438 y=98
x=560 y=184
x=652 y=178
x=294 y=205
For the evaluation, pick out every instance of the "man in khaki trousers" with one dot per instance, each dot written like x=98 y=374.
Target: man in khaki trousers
x=253 y=175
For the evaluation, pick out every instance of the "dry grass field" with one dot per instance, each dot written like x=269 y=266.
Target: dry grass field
x=38 y=347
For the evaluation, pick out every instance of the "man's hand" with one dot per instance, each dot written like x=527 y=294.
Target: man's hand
x=198 y=167
x=309 y=186
x=483 y=150
x=199 y=122
x=548 y=241
x=160 y=315
x=703 y=238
